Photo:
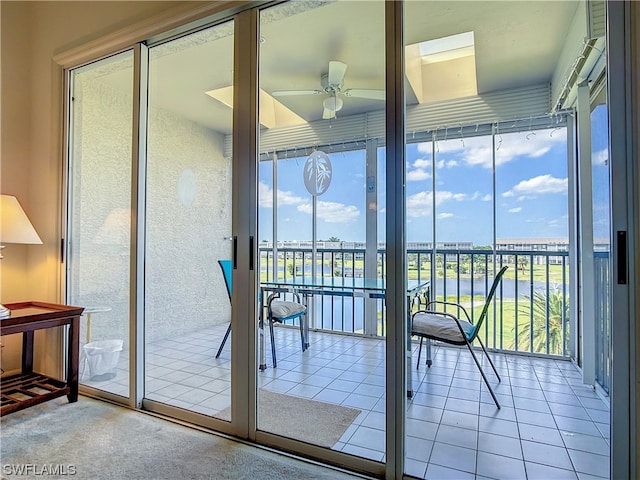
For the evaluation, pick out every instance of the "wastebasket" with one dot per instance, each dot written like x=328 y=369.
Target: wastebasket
x=102 y=358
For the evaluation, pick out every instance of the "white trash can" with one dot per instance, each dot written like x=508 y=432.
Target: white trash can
x=102 y=358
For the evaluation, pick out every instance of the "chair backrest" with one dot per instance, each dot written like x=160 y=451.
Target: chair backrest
x=492 y=291
x=225 y=265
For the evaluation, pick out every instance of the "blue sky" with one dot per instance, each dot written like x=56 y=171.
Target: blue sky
x=600 y=174
x=531 y=191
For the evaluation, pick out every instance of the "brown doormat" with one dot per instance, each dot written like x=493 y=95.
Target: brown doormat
x=310 y=421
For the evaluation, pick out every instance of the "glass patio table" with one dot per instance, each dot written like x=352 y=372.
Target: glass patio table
x=418 y=291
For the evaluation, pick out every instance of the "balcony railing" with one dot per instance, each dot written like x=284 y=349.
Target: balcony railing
x=602 y=277
x=530 y=312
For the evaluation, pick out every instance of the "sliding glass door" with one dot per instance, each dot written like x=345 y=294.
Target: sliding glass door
x=321 y=218
x=188 y=217
x=99 y=218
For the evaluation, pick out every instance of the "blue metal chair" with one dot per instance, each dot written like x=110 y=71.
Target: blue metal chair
x=448 y=328
x=277 y=311
x=225 y=265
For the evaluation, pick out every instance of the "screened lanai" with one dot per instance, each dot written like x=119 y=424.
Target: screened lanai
x=505 y=141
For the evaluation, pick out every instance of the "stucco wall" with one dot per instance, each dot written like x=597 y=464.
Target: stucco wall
x=188 y=219
x=188 y=214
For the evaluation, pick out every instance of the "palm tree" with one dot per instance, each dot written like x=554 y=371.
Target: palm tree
x=558 y=308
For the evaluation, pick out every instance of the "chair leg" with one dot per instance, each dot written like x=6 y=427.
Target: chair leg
x=304 y=346
x=429 y=361
x=489 y=358
x=419 y=352
x=224 y=340
x=484 y=377
x=273 y=343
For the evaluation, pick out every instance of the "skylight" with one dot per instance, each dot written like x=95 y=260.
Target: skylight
x=272 y=113
x=442 y=68
x=452 y=46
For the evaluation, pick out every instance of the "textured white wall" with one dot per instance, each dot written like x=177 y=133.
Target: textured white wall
x=188 y=212
x=188 y=217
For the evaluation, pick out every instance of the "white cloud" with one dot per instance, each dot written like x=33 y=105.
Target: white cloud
x=420 y=204
x=425 y=147
x=478 y=195
x=515 y=210
x=421 y=163
x=456 y=196
x=600 y=157
x=419 y=170
x=332 y=212
x=541 y=184
x=265 y=197
x=417 y=175
x=444 y=215
x=478 y=150
x=474 y=196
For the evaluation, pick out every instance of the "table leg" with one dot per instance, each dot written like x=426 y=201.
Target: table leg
x=263 y=361
x=88 y=327
x=27 y=352
x=73 y=362
x=305 y=319
x=408 y=355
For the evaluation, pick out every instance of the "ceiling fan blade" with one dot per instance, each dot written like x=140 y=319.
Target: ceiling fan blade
x=364 y=93
x=336 y=72
x=328 y=114
x=288 y=93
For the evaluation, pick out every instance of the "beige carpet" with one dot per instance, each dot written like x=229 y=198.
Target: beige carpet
x=310 y=421
x=96 y=440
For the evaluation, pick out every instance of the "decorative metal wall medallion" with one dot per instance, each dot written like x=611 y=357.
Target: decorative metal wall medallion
x=317 y=173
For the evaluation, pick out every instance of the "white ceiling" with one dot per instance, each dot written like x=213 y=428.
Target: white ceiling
x=517 y=43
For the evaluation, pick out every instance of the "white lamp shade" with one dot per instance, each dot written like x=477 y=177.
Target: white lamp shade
x=15 y=226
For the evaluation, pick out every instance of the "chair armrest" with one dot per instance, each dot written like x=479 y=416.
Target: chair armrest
x=271 y=298
x=453 y=304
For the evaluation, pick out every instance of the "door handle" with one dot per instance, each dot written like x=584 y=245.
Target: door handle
x=251 y=253
x=235 y=252
x=622 y=257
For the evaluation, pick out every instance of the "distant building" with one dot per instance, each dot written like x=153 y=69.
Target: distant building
x=536 y=245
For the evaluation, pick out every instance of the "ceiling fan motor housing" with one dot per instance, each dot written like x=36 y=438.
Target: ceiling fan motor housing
x=330 y=88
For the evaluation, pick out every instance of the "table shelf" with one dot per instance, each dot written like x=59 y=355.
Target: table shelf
x=26 y=389
x=29 y=388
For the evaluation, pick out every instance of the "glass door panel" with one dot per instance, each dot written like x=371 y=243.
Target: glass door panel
x=188 y=222
x=532 y=220
x=321 y=211
x=99 y=221
x=601 y=177
x=486 y=188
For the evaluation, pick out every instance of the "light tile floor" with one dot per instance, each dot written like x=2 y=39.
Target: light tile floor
x=550 y=425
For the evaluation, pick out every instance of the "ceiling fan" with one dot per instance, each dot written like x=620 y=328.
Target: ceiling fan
x=332 y=84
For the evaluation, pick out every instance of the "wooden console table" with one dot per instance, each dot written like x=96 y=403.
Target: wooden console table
x=28 y=387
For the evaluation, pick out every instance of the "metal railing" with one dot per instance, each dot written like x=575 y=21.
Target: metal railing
x=530 y=312
x=602 y=280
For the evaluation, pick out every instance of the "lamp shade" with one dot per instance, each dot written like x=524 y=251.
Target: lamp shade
x=15 y=226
